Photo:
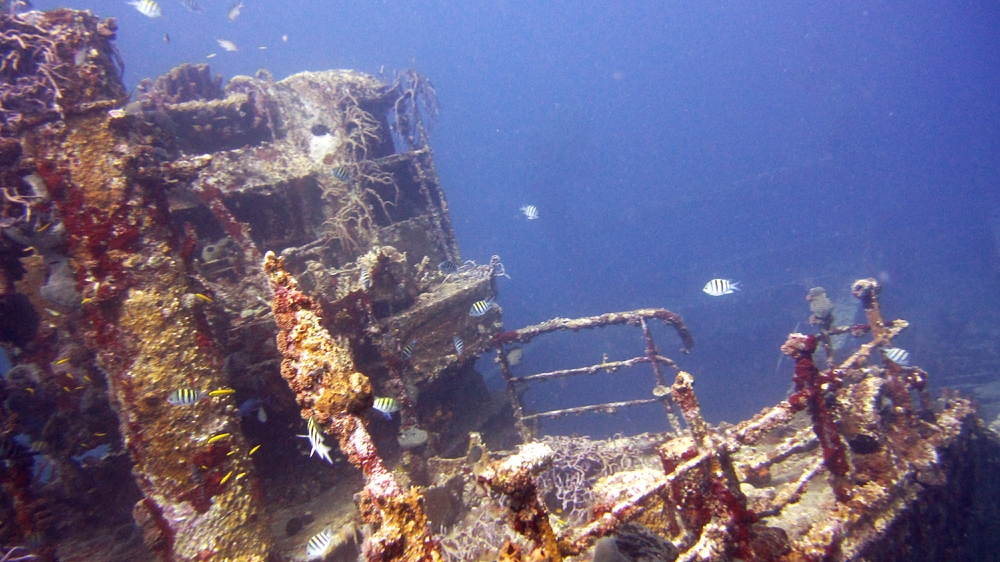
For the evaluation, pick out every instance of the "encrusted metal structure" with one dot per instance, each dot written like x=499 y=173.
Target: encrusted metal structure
x=865 y=456
x=631 y=318
x=188 y=277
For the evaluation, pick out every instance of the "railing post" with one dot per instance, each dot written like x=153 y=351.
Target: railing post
x=661 y=381
x=515 y=403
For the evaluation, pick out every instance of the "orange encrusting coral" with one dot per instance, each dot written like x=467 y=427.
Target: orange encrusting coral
x=320 y=370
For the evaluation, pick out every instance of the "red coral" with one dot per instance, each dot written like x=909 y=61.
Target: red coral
x=811 y=388
x=210 y=470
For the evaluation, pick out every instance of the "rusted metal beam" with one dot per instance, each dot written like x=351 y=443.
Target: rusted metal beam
x=609 y=366
x=609 y=407
x=632 y=317
x=515 y=402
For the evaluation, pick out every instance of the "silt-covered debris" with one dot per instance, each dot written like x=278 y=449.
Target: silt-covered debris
x=199 y=286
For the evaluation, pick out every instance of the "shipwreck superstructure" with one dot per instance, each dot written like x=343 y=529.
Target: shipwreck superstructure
x=189 y=276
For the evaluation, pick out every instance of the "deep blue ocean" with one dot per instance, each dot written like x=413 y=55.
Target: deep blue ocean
x=783 y=144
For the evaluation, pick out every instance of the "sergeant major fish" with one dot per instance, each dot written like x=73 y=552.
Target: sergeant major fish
x=148 y=8
x=185 y=396
x=719 y=287
x=530 y=212
x=315 y=437
x=341 y=173
x=365 y=277
x=387 y=405
x=459 y=345
x=898 y=356
x=407 y=350
x=319 y=544
x=480 y=308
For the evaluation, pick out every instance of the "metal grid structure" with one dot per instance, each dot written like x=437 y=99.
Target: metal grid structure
x=638 y=318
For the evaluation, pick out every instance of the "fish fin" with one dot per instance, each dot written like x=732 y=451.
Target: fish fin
x=736 y=286
x=323 y=451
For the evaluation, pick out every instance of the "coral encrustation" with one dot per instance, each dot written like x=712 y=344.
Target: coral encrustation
x=319 y=368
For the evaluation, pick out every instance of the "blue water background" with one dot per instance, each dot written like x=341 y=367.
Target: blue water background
x=783 y=144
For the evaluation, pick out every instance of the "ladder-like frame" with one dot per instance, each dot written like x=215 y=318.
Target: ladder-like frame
x=661 y=392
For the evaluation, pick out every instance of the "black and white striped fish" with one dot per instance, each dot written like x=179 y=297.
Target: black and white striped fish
x=315 y=438
x=148 y=8
x=447 y=267
x=387 y=405
x=185 y=396
x=341 y=173
x=319 y=544
x=480 y=308
x=459 y=344
x=530 y=212
x=896 y=355
x=407 y=350
x=191 y=5
x=719 y=287
x=366 y=278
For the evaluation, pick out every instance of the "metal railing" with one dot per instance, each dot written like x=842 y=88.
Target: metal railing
x=638 y=318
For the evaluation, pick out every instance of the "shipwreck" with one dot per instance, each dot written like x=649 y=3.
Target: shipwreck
x=189 y=276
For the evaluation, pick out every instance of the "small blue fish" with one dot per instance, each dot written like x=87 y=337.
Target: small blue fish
x=5 y=363
x=447 y=267
x=7 y=448
x=185 y=396
x=480 y=308
x=44 y=469
x=387 y=405
x=93 y=456
x=248 y=407
x=407 y=350
x=459 y=344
